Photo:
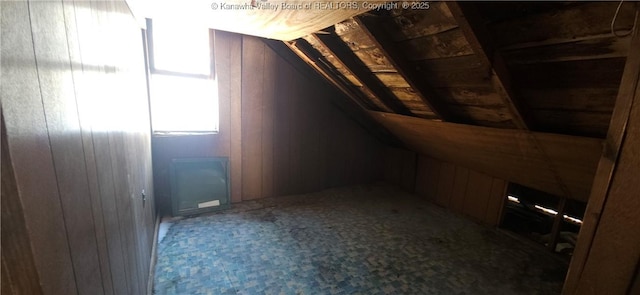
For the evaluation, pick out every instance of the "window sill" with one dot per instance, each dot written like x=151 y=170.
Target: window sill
x=182 y=133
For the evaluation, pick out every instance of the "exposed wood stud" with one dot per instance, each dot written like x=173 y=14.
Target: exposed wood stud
x=473 y=27
x=557 y=224
x=341 y=51
x=628 y=95
x=425 y=91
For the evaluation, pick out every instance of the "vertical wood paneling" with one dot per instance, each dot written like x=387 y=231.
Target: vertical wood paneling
x=268 y=97
x=478 y=193
x=235 y=112
x=461 y=190
x=28 y=141
x=78 y=129
x=252 y=90
x=496 y=202
x=84 y=117
x=281 y=177
x=445 y=184
x=19 y=274
x=56 y=85
x=400 y=169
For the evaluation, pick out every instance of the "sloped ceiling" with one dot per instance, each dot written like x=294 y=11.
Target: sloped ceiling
x=519 y=90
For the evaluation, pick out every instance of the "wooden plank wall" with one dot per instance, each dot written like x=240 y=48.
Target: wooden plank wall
x=400 y=168
x=278 y=127
x=76 y=113
x=293 y=139
x=457 y=188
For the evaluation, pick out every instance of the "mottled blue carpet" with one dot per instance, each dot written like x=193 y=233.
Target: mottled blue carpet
x=357 y=240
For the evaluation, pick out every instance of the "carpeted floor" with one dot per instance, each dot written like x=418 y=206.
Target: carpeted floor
x=356 y=240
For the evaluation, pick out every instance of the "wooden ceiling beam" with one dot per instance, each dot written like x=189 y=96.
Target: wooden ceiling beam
x=476 y=33
x=320 y=69
x=402 y=65
x=336 y=47
x=356 y=108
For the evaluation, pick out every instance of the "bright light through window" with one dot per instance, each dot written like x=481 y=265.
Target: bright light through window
x=184 y=92
x=183 y=104
x=181 y=49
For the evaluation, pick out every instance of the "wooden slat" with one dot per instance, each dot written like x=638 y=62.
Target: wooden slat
x=342 y=52
x=503 y=153
x=476 y=34
x=477 y=196
x=19 y=274
x=235 y=112
x=424 y=91
x=496 y=202
x=31 y=152
x=335 y=82
x=268 y=97
x=592 y=99
x=75 y=38
x=563 y=24
x=591 y=124
x=415 y=23
x=613 y=192
x=281 y=126
x=445 y=184
x=597 y=73
x=448 y=44
x=606 y=46
x=252 y=79
x=459 y=192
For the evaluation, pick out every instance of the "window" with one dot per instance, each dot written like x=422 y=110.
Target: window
x=184 y=94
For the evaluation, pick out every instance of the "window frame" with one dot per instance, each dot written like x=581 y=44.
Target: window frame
x=154 y=71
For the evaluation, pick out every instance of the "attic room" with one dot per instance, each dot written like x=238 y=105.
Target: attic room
x=301 y=147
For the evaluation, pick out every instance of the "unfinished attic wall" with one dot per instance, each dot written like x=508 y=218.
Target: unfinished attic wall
x=461 y=190
x=75 y=109
x=278 y=127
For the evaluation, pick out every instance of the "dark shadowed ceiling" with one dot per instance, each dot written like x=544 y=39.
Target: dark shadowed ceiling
x=542 y=78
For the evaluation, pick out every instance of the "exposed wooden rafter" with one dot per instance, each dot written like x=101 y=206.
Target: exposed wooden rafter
x=477 y=35
x=325 y=73
x=599 y=231
x=425 y=91
x=358 y=109
x=336 y=47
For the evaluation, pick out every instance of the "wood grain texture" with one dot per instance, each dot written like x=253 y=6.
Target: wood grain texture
x=61 y=115
x=461 y=190
x=30 y=149
x=82 y=99
x=415 y=23
x=570 y=22
x=423 y=90
x=80 y=172
x=607 y=212
x=19 y=274
x=502 y=153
